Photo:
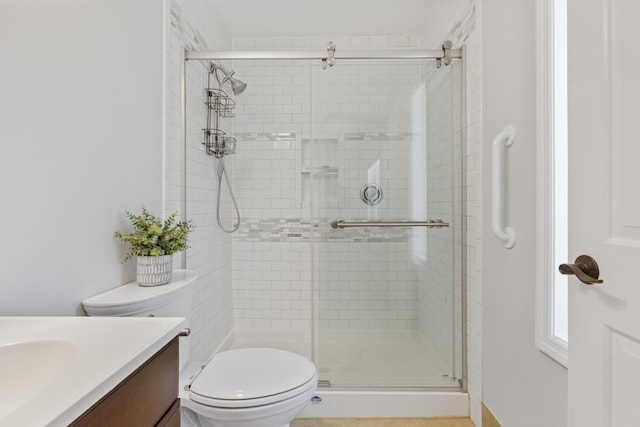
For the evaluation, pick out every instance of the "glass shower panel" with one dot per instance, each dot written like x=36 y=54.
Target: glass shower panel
x=386 y=146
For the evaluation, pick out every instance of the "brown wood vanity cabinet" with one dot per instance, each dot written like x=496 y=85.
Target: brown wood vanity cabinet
x=146 y=398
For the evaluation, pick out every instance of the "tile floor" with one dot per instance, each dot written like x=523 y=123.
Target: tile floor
x=383 y=422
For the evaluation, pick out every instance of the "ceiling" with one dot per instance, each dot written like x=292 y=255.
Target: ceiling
x=279 y=18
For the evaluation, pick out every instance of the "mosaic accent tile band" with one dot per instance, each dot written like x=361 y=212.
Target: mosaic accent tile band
x=299 y=230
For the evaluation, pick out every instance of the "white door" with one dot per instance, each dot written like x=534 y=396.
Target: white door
x=604 y=211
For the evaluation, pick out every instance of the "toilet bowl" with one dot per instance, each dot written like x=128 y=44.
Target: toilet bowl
x=249 y=387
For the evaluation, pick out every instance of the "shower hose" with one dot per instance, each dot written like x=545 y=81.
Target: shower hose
x=222 y=170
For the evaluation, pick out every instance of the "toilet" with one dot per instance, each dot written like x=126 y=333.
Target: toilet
x=248 y=387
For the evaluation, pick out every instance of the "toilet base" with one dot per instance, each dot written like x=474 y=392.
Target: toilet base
x=188 y=418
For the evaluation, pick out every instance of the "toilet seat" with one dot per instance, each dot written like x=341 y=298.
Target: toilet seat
x=250 y=377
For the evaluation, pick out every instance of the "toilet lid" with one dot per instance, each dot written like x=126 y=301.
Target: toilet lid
x=250 y=376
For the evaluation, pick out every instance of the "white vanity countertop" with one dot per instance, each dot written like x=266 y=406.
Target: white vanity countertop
x=52 y=369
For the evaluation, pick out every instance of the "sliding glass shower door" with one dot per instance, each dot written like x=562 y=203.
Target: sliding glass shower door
x=385 y=148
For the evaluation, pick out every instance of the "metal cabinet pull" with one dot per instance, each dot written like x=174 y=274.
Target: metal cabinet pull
x=585 y=269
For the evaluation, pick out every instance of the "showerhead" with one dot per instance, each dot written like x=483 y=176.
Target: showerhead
x=237 y=86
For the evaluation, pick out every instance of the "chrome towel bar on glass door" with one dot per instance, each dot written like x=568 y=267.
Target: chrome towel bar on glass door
x=432 y=223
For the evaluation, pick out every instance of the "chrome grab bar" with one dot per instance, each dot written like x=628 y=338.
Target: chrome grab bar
x=431 y=223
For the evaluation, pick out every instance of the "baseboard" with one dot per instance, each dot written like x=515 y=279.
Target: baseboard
x=488 y=419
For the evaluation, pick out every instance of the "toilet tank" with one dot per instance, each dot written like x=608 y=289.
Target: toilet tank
x=132 y=300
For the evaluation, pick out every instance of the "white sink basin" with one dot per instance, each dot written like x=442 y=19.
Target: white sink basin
x=52 y=369
x=29 y=367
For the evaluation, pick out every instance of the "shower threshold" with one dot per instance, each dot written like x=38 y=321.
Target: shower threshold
x=386 y=404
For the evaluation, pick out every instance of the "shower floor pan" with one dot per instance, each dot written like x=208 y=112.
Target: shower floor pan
x=371 y=373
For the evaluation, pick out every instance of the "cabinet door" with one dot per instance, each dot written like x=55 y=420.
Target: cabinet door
x=143 y=398
x=172 y=417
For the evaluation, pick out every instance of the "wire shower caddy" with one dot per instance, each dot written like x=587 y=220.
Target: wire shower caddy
x=219 y=105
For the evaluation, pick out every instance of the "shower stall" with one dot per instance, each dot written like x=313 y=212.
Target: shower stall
x=348 y=171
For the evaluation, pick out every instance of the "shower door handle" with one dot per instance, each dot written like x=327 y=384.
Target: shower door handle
x=431 y=223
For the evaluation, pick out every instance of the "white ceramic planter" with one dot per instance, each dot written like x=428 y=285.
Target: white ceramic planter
x=154 y=270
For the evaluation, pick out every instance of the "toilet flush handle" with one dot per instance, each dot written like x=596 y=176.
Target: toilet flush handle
x=185 y=332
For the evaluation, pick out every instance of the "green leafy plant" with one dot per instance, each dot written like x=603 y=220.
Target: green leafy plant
x=152 y=237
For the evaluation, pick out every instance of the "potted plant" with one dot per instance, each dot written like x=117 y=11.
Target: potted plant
x=154 y=242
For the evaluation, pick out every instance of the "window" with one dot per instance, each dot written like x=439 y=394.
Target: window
x=552 y=302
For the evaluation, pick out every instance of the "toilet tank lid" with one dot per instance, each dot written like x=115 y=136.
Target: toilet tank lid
x=131 y=298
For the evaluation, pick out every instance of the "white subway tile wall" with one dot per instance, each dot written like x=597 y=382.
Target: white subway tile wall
x=441 y=273
x=192 y=24
x=466 y=31
x=277 y=162
x=369 y=123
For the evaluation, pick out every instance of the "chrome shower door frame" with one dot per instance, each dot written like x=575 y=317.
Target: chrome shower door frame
x=340 y=55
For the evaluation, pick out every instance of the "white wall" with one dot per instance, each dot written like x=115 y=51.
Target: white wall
x=80 y=142
x=521 y=386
